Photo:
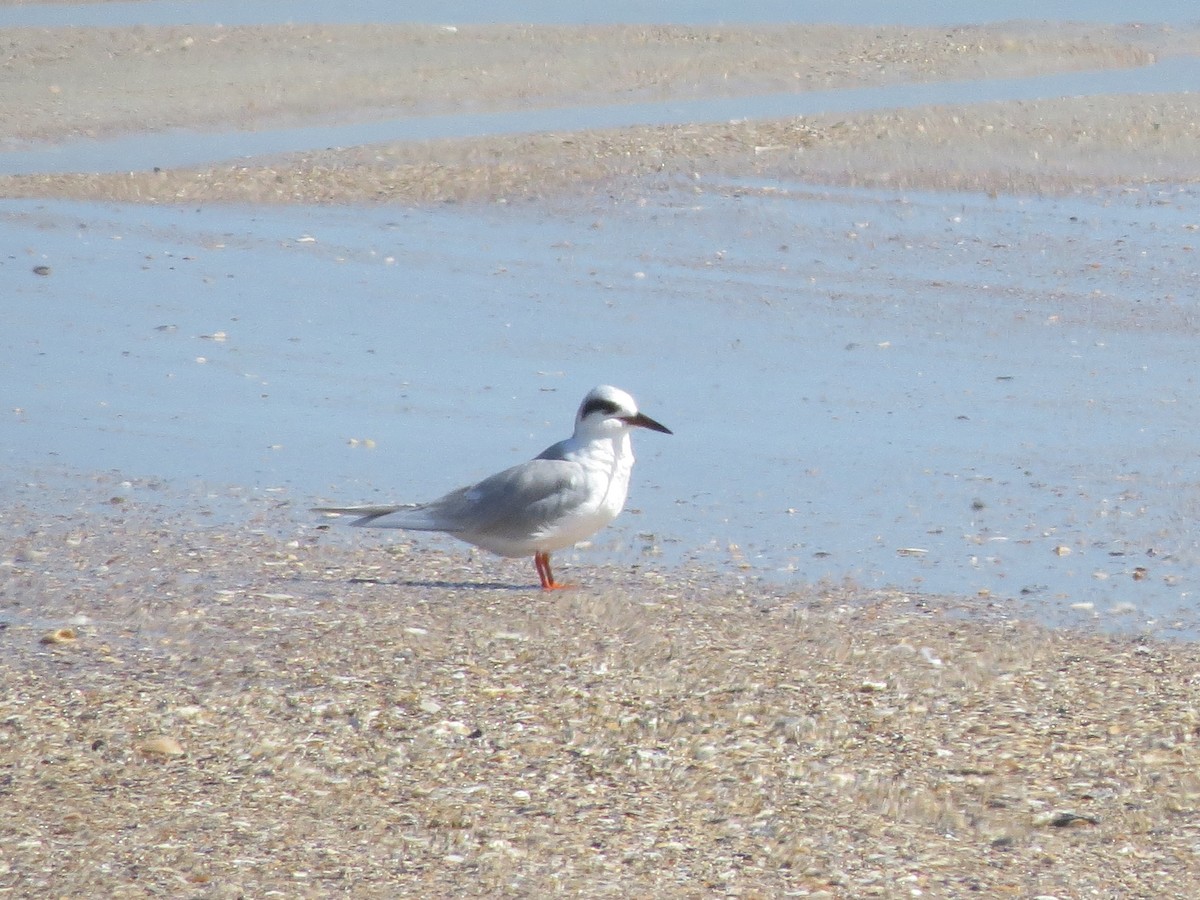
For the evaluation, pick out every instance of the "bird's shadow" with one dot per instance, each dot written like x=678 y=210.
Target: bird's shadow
x=444 y=585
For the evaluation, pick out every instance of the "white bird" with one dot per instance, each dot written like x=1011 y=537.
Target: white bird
x=566 y=494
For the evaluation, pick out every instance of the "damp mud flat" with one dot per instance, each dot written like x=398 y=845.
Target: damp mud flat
x=948 y=375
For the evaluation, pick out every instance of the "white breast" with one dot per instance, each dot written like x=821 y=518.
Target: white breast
x=607 y=465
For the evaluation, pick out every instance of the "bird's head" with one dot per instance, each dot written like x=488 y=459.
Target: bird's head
x=609 y=411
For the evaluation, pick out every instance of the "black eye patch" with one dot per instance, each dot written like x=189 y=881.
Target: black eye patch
x=602 y=406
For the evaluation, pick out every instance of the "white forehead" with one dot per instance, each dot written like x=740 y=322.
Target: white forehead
x=608 y=401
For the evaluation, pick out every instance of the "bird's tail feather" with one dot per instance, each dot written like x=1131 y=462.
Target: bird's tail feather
x=413 y=518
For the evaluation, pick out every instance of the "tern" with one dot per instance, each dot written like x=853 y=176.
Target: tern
x=565 y=494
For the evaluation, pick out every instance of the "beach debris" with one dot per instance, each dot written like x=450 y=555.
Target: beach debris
x=1060 y=818
x=161 y=746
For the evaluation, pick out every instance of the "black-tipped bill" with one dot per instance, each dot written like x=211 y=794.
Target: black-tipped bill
x=644 y=421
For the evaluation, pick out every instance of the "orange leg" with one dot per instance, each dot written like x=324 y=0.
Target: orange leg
x=542 y=562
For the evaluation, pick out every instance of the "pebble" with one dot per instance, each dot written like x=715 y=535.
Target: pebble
x=161 y=746
x=60 y=636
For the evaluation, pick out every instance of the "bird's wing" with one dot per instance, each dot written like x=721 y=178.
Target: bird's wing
x=519 y=501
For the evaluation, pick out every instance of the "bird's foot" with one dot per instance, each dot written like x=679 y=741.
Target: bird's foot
x=542 y=562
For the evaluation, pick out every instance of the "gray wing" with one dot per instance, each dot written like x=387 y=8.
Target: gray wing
x=515 y=503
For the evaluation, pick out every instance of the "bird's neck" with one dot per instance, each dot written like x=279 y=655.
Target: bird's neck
x=613 y=452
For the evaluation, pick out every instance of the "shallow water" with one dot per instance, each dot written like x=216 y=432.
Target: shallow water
x=940 y=392
x=693 y=12
x=949 y=393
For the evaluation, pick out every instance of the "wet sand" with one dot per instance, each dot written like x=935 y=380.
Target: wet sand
x=201 y=708
x=81 y=81
x=1119 y=141
x=72 y=82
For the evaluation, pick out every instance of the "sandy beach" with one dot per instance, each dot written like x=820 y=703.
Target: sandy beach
x=221 y=711
x=200 y=706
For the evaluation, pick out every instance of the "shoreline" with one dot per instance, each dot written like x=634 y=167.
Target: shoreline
x=1133 y=142
x=292 y=75
x=199 y=706
x=101 y=82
